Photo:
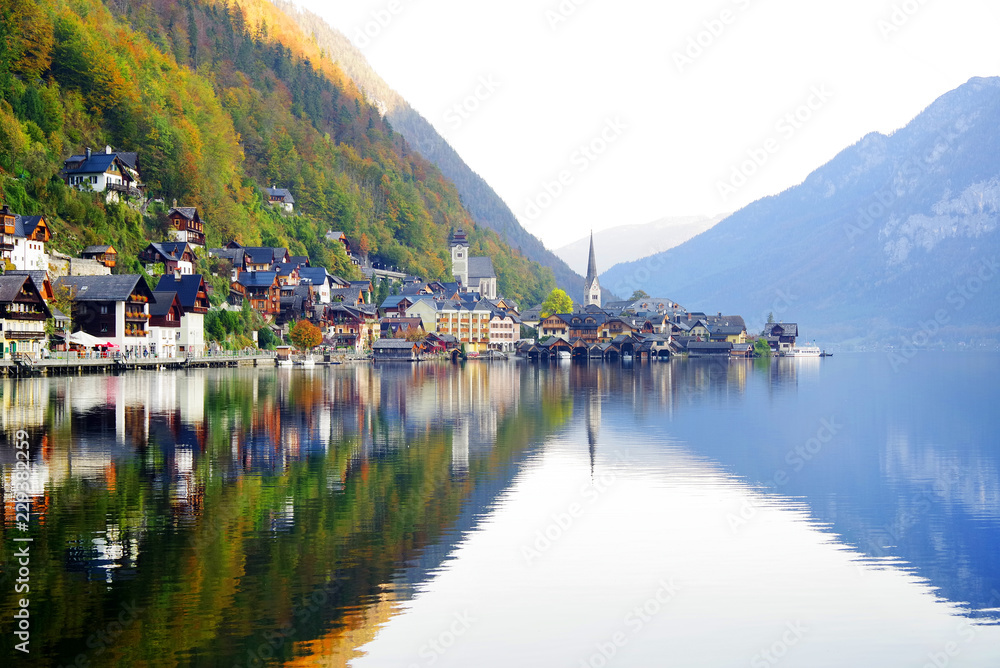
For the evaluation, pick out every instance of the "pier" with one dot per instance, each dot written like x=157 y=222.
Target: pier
x=70 y=364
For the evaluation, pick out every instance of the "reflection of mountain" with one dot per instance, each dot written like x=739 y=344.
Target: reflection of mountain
x=312 y=501
x=909 y=474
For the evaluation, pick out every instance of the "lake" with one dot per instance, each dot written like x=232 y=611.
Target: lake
x=809 y=512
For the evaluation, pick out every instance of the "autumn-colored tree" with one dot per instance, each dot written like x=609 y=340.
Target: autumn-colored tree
x=557 y=302
x=305 y=335
x=364 y=245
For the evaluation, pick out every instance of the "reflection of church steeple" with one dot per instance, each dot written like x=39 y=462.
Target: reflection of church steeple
x=593 y=423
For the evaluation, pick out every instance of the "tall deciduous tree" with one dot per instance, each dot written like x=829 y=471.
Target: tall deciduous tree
x=557 y=302
x=305 y=335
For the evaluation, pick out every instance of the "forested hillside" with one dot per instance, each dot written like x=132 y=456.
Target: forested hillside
x=218 y=99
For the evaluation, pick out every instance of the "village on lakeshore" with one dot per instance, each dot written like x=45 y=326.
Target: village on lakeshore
x=57 y=307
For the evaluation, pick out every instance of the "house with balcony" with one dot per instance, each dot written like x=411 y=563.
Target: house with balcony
x=103 y=172
x=22 y=317
x=352 y=327
x=105 y=254
x=186 y=225
x=168 y=257
x=23 y=239
x=192 y=294
x=280 y=197
x=111 y=308
x=785 y=334
x=165 y=315
x=319 y=282
x=30 y=236
x=261 y=288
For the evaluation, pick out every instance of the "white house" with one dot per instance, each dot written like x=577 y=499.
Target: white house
x=100 y=172
x=193 y=296
x=24 y=246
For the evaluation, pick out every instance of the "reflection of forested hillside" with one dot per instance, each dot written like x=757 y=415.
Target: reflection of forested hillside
x=279 y=502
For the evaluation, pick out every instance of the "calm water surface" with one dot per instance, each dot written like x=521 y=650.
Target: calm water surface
x=826 y=512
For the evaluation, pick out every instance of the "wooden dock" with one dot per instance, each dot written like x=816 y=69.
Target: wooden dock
x=73 y=365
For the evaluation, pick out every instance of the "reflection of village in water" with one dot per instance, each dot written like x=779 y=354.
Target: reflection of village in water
x=357 y=481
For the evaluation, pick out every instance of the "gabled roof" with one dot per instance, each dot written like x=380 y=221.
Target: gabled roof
x=185 y=285
x=284 y=268
x=300 y=260
x=788 y=328
x=98 y=163
x=97 y=250
x=10 y=287
x=164 y=300
x=709 y=345
x=256 y=279
x=346 y=293
x=723 y=330
x=24 y=226
x=38 y=276
x=397 y=344
x=313 y=275
x=189 y=212
x=281 y=193
x=481 y=267
x=170 y=250
x=114 y=288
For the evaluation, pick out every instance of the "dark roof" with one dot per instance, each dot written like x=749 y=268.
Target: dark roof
x=114 y=288
x=264 y=254
x=225 y=253
x=96 y=250
x=313 y=275
x=38 y=276
x=788 y=328
x=282 y=193
x=24 y=226
x=98 y=163
x=129 y=158
x=458 y=238
x=284 y=268
x=398 y=344
x=164 y=300
x=301 y=260
x=185 y=285
x=723 y=330
x=10 y=287
x=188 y=212
x=256 y=279
x=709 y=345
x=481 y=267
x=172 y=250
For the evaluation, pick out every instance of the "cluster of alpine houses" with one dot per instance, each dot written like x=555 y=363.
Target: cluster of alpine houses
x=428 y=315
x=107 y=310
x=647 y=327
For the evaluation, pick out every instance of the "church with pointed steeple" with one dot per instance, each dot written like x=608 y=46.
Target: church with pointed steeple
x=591 y=286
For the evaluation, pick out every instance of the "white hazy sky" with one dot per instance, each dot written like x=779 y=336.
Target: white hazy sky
x=676 y=122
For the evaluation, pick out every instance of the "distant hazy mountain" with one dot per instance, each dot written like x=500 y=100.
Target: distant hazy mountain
x=632 y=242
x=478 y=197
x=895 y=237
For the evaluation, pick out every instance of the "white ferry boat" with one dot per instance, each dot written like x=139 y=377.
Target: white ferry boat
x=804 y=351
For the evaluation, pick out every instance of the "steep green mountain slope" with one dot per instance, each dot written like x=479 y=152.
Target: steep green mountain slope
x=219 y=99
